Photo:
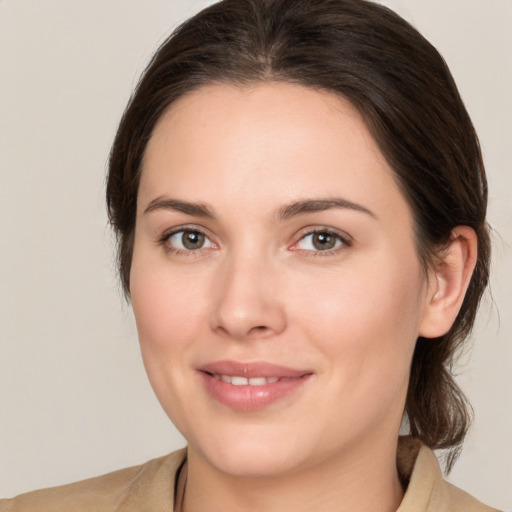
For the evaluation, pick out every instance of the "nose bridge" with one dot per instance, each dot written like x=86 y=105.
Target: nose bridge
x=247 y=303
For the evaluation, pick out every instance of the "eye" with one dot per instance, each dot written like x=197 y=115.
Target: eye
x=188 y=240
x=321 y=240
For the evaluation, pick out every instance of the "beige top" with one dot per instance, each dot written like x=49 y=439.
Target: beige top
x=151 y=488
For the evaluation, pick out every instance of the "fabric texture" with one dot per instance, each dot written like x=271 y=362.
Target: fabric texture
x=151 y=488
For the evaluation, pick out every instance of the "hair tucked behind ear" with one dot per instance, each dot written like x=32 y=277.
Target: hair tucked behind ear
x=403 y=89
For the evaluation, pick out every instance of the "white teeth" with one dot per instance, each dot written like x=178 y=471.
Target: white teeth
x=243 y=381
x=239 y=381
x=257 y=381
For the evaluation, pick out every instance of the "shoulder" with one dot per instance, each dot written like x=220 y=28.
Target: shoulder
x=462 y=501
x=149 y=486
x=427 y=491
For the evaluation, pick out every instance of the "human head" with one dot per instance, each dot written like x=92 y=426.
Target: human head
x=403 y=90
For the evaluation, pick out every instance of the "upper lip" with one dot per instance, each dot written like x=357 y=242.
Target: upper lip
x=252 y=370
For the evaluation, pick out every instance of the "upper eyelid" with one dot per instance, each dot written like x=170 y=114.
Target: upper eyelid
x=187 y=227
x=345 y=238
x=164 y=241
x=324 y=229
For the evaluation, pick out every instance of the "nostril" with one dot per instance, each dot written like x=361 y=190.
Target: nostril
x=259 y=330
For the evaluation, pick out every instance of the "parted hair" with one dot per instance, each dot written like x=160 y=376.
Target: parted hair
x=407 y=97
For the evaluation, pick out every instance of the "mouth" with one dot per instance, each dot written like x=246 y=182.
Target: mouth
x=251 y=386
x=237 y=380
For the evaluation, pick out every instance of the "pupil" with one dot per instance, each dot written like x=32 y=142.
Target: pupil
x=193 y=240
x=323 y=241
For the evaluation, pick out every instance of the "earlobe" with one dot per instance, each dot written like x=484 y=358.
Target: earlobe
x=449 y=281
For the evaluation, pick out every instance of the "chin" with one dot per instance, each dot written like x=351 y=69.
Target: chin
x=256 y=457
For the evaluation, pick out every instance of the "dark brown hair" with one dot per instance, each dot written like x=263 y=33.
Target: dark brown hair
x=403 y=89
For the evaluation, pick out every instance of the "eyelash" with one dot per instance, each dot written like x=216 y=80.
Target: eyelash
x=345 y=241
x=164 y=240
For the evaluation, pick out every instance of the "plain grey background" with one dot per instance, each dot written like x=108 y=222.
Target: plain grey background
x=74 y=398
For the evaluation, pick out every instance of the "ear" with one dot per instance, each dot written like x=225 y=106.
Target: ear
x=448 y=283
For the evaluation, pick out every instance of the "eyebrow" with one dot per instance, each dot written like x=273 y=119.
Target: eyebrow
x=294 y=209
x=194 y=209
x=318 y=205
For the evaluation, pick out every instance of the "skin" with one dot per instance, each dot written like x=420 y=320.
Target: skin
x=258 y=289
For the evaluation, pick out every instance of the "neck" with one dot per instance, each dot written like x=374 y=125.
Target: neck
x=364 y=480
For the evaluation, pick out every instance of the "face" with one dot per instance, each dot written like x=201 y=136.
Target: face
x=275 y=281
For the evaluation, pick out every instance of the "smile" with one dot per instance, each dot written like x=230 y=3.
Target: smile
x=243 y=381
x=251 y=386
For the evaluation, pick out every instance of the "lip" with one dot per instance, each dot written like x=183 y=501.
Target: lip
x=251 y=398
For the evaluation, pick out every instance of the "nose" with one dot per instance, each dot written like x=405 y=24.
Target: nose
x=247 y=304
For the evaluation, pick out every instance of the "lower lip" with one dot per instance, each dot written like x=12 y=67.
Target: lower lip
x=251 y=398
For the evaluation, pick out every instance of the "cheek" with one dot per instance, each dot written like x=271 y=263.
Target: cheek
x=164 y=303
x=169 y=312
x=367 y=329
x=365 y=320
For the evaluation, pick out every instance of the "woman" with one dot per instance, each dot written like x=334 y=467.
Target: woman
x=300 y=202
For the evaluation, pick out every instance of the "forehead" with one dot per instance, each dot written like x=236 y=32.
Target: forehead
x=253 y=115
x=276 y=140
